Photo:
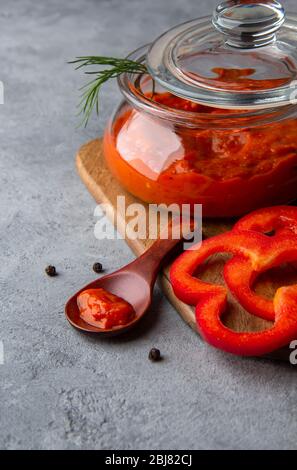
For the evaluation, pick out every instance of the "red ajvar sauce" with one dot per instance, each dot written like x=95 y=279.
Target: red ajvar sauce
x=229 y=172
x=102 y=309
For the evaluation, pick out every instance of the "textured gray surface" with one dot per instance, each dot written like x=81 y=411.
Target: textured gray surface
x=61 y=389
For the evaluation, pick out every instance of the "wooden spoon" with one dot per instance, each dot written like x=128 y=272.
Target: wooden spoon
x=134 y=283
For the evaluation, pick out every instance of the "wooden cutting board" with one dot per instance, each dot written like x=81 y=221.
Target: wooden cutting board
x=105 y=189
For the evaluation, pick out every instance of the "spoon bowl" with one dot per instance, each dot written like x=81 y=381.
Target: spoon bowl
x=125 y=284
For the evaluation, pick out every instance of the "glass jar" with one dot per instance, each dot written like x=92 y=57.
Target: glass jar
x=166 y=148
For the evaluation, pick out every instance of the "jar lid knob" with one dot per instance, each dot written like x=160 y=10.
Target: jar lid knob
x=249 y=23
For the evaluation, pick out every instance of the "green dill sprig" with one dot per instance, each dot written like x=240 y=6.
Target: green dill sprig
x=112 y=68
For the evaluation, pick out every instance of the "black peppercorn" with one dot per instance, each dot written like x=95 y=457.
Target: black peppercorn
x=97 y=267
x=154 y=354
x=51 y=271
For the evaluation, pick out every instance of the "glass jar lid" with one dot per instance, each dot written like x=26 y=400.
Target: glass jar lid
x=244 y=58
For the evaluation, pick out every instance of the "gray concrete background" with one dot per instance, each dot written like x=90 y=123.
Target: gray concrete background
x=61 y=389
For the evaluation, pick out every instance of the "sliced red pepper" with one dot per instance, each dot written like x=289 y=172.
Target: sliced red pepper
x=284 y=330
x=253 y=253
x=275 y=221
x=189 y=288
x=240 y=276
x=271 y=220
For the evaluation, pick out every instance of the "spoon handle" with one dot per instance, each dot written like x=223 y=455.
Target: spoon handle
x=148 y=264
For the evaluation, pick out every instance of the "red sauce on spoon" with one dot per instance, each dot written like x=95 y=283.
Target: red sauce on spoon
x=103 y=309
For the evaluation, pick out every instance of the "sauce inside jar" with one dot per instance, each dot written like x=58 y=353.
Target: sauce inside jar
x=103 y=309
x=230 y=172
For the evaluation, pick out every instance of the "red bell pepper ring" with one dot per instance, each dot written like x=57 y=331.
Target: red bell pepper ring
x=276 y=220
x=189 y=288
x=240 y=276
x=279 y=220
x=209 y=312
x=261 y=253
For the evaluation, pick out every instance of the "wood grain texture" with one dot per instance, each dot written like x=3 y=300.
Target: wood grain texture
x=105 y=189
